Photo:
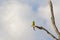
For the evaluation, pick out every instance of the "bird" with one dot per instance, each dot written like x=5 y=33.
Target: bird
x=33 y=24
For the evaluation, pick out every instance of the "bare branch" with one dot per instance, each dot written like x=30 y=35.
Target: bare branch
x=53 y=19
x=41 y=28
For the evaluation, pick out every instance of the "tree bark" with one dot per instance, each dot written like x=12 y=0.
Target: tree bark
x=53 y=19
x=41 y=28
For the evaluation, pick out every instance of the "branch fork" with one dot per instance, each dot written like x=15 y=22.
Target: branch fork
x=53 y=22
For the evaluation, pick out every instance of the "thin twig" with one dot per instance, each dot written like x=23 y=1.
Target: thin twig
x=53 y=19
x=41 y=28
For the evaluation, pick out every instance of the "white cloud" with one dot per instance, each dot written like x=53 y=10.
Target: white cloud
x=14 y=19
x=44 y=12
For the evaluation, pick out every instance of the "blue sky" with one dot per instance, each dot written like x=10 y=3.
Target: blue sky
x=16 y=17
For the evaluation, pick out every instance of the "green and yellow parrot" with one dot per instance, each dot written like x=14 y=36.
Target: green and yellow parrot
x=33 y=24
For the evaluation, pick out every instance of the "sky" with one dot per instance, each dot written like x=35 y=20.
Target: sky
x=16 y=17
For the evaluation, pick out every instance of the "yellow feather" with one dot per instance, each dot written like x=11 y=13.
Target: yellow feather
x=33 y=24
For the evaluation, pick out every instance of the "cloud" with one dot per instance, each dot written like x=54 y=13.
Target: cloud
x=44 y=12
x=15 y=20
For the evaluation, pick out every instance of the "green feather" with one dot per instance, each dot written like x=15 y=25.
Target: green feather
x=33 y=24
